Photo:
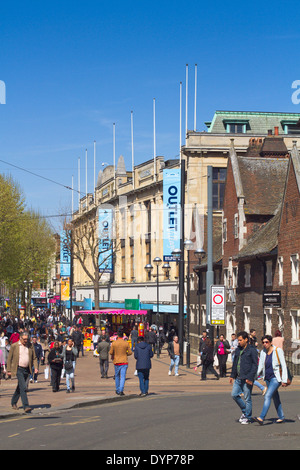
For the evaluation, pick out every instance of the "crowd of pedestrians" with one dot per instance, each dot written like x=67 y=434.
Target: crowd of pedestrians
x=56 y=342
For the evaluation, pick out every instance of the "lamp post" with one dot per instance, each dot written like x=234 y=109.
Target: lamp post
x=166 y=267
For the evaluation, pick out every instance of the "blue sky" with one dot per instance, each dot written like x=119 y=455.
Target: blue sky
x=72 y=69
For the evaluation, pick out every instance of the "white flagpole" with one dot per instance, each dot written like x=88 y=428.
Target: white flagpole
x=195 y=107
x=132 y=150
x=186 y=99
x=86 y=185
x=180 y=120
x=78 y=183
x=154 y=140
x=114 y=154
x=95 y=171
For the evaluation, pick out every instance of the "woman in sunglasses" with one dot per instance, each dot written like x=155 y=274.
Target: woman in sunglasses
x=272 y=365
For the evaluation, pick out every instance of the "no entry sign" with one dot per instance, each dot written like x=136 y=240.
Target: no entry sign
x=218 y=305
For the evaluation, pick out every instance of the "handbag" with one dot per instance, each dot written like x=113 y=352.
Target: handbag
x=290 y=377
x=68 y=365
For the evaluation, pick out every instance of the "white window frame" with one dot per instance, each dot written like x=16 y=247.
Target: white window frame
x=268 y=322
x=224 y=230
x=247 y=275
x=246 y=311
x=269 y=272
x=236 y=226
x=295 y=269
x=295 y=323
x=280 y=270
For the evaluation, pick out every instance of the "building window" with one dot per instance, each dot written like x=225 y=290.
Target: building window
x=236 y=226
x=269 y=273
x=247 y=275
x=295 y=269
x=225 y=230
x=295 y=317
x=247 y=318
x=219 y=178
x=280 y=270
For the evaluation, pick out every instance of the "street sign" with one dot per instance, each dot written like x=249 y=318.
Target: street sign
x=218 y=305
x=272 y=299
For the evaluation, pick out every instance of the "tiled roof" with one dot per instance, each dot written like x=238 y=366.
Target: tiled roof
x=264 y=241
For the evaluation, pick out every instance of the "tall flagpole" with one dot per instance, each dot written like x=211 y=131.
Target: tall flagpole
x=186 y=99
x=86 y=184
x=195 y=106
x=154 y=140
x=95 y=171
x=132 y=151
x=180 y=121
x=79 y=183
x=114 y=154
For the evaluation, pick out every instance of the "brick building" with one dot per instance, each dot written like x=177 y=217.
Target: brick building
x=286 y=278
x=251 y=214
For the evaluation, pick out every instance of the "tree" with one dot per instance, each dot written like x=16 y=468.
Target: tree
x=92 y=251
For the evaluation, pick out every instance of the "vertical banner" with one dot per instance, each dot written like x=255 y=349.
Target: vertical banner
x=171 y=212
x=105 y=240
x=65 y=257
x=218 y=305
x=65 y=289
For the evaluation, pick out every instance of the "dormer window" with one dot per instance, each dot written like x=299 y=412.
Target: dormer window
x=236 y=126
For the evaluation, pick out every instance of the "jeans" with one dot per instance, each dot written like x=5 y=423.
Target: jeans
x=22 y=376
x=175 y=362
x=69 y=376
x=259 y=385
x=240 y=386
x=120 y=376
x=143 y=375
x=272 y=392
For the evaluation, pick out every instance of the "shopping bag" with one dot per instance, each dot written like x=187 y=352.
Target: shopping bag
x=46 y=373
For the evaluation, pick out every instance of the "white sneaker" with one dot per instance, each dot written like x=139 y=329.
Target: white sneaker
x=170 y=373
x=245 y=421
x=176 y=375
x=241 y=418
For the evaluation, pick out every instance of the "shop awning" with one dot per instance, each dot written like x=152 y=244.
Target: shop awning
x=111 y=311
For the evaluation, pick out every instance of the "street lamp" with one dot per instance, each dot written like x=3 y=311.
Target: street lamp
x=166 y=268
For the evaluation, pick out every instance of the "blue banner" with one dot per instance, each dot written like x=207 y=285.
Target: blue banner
x=105 y=241
x=171 y=212
x=65 y=257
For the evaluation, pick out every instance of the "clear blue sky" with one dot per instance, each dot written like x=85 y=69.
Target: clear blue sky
x=72 y=69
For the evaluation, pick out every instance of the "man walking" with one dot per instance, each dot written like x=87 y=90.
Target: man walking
x=174 y=353
x=20 y=363
x=119 y=351
x=103 y=351
x=143 y=353
x=244 y=370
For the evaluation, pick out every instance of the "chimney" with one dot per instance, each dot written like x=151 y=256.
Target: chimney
x=270 y=132
x=276 y=130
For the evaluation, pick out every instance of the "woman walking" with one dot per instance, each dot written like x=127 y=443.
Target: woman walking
x=273 y=367
x=222 y=349
x=69 y=361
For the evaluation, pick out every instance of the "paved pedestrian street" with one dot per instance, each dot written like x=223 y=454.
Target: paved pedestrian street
x=203 y=409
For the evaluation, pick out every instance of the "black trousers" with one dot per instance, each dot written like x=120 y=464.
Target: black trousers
x=55 y=378
x=222 y=364
x=208 y=367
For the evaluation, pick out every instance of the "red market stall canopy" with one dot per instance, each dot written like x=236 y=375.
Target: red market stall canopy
x=111 y=311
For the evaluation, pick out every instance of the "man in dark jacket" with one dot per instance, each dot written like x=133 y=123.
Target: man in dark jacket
x=244 y=370
x=143 y=353
x=103 y=348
